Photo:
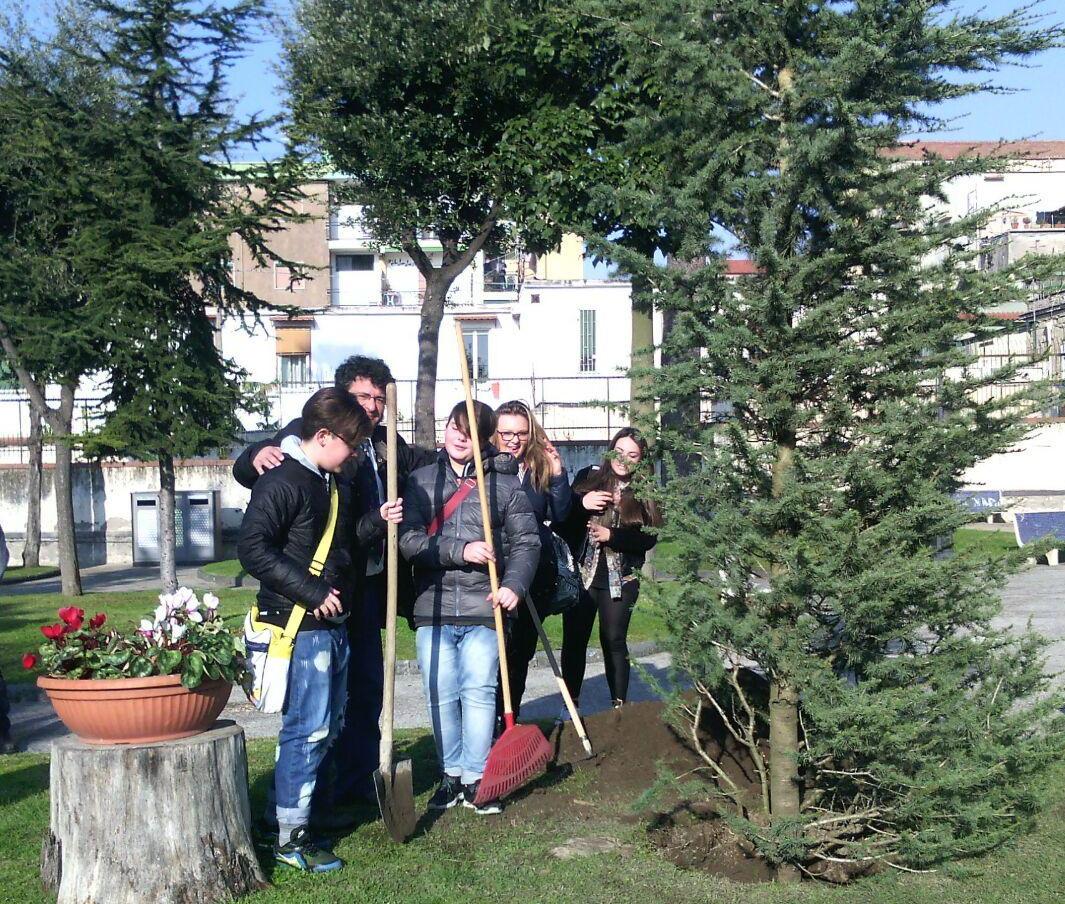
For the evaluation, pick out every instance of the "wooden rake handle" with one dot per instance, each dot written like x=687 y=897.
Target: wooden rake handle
x=486 y=524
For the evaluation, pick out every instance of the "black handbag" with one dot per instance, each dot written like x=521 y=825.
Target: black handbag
x=557 y=587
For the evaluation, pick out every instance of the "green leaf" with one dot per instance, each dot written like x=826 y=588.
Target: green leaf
x=168 y=661
x=140 y=667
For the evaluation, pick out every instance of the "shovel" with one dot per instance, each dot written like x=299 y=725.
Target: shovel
x=522 y=751
x=393 y=781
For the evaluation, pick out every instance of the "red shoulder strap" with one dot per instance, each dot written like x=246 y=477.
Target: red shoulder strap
x=466 y=487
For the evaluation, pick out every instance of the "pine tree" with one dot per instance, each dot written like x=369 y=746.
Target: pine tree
x=54 y=115
x=161 y=260
x=885 y=719
x=475 y=123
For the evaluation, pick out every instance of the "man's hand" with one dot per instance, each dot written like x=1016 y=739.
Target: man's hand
x=599 y=533
x=392 y=512
x=597 y=500
x=266 y=458
x=506 y=598
x=331 y=606
x=478 y=553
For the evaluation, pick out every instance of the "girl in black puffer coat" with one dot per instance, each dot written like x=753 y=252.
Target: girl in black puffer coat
x=456 y=644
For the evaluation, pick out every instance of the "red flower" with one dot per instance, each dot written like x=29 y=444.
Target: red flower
x=97 y=620
x=72 y=616
x=52 y=632
x=29 y=660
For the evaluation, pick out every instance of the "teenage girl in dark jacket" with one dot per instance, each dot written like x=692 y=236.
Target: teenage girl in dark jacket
x=546 y=484
x=606 y=532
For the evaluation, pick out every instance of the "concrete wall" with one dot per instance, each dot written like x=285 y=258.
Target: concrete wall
x=103 y=506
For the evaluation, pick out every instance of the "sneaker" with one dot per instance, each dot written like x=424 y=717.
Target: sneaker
x=303 y=853
x=469 y=794
x=448 y=794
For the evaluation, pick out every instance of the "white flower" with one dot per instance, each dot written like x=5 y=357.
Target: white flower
x=166 y=601
x=162 y=613
x=196 y=617
x=146 y=627
x=192 y=605
x=183 y=596
x=177 y=632
x=210 y=601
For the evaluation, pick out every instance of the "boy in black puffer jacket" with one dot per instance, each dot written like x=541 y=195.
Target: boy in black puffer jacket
x=283 y=525
x=456 y=643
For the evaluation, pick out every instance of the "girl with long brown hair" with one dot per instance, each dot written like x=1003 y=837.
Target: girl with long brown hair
x=606 y=532
x=546 y=484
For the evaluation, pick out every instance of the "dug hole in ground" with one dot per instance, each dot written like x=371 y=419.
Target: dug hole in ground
x=632 y=746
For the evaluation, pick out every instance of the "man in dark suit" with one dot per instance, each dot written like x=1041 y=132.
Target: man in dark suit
x=355 y=754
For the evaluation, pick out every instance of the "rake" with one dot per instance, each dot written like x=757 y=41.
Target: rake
x=521 y=751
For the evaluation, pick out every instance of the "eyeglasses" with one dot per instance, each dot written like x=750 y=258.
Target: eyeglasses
x=363 y=397
x=510 y=435
x=353 y=447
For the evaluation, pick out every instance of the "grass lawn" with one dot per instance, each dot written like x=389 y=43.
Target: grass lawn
x=22 y=616
x=16 y=574
x=227 y=568
x=993 y=542
x=467 y=859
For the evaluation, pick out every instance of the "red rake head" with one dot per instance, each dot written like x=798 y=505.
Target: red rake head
x=520 y=753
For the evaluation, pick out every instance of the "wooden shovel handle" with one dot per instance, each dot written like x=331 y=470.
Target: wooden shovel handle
x=486 y=523
x=388 y=698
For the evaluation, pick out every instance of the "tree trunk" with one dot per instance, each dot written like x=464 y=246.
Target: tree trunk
x=783 y=762
x=682 y=419
x=31 y=550
x=168 y=823
x=70 y=574
x=785 y=799
x=428 y=356
x=641 y=404
x=167 y=525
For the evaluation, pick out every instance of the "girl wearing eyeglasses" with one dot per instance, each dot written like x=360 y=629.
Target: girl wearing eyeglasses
x=606 y=531
x=546 y=484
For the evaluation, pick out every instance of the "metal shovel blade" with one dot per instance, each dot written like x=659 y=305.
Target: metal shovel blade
x=395 y=796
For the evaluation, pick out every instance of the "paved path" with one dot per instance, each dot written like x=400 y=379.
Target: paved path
x=1036 y=594
x=103 y=578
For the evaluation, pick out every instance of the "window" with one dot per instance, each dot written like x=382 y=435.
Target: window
x=476 y=341
x=587 y=341
x=350 y=262
x=293 y=369
x=283 y=280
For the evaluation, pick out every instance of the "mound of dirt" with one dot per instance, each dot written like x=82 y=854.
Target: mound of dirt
x=632 y=746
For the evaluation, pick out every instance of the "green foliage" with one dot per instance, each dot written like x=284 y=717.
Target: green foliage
x=182 y=637
x=453 y=115
x=805 y=502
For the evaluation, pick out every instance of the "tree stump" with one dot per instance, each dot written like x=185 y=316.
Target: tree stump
x=168 y=823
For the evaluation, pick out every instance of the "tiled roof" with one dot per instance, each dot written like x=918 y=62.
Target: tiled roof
x=951 y=150
x=740 y=266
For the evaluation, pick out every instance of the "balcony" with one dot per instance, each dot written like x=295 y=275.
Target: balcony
x=386 y=298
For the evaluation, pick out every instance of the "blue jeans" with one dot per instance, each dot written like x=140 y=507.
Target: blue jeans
x=310 y=721
x=356 y=753
x=459 y=665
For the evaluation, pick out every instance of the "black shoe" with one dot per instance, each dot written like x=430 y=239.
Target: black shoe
x=448 y=794
x=469 y=795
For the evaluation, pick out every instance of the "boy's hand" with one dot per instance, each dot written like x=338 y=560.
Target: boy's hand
x=506 y=598
x=478 y=553
x=554 y=458
x=330 y=607
x=266 y=458
x=392 y=512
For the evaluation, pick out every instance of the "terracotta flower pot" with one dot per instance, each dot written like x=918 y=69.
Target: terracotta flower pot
x=135 y=710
